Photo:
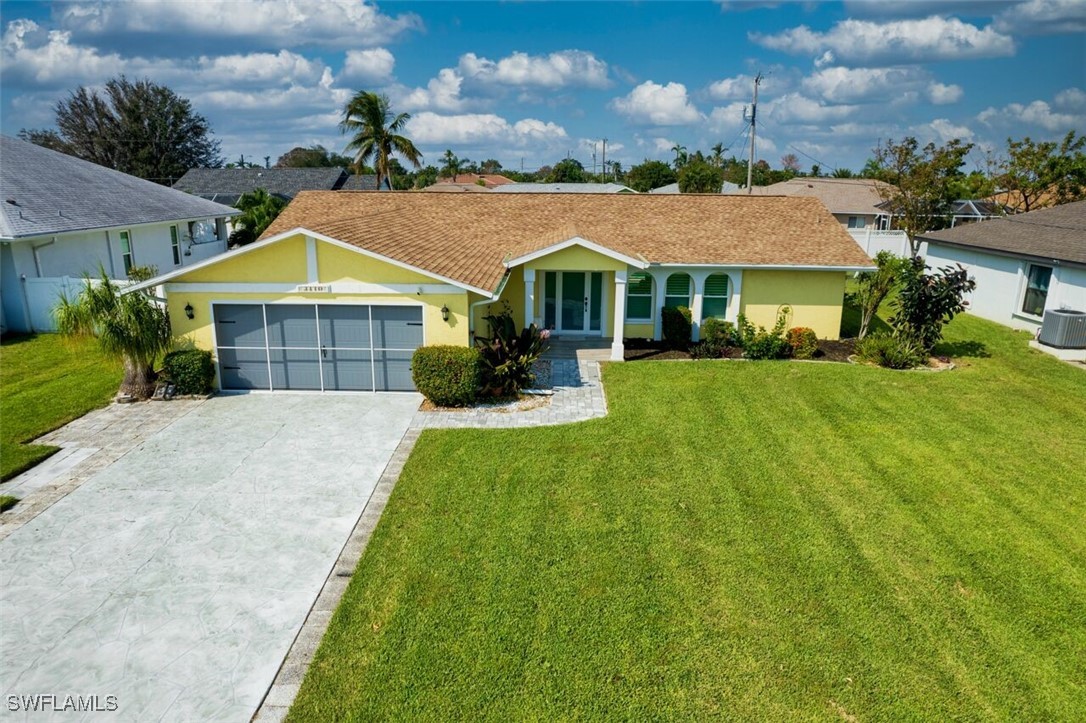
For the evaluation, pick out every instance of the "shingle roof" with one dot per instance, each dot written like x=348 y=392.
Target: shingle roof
x=450 y=187
x=488 y=179
x=1057 y=233
x=563 y=188
x=840 y=195
x=228 y=184
x=44 y=192
x=467 y=237
x=355 y=182
x=726 y=187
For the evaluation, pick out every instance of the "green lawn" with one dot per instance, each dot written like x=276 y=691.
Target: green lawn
x=765 y=541
x=46 y=382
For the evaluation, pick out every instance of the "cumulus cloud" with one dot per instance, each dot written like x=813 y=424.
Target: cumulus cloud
x=1038 y=114
x=741 y=86
x=565 y=68
x=373 y=64
x=797 y=108
x=1043 y=17
x=33 y=56
x=862 y=85
x=283 y=23
x=660 y=105
x=941 y=94
x=467 y=128
x=440 y=93
x=943 y=130
x=863 y=41
x=1071 y=99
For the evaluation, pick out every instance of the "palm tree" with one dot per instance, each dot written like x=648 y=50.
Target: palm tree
x=376 y=134
x=680 y=155
x=718 y=154
x=453 y=165
x=259 y=209
x=130 y=327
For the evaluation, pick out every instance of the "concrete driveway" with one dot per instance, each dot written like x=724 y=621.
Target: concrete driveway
x=176 y=578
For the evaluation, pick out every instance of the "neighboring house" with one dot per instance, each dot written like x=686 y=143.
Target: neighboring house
x=1023 y=264
x=674 y=188
x=64 y=218
x=855 y=202
x=450 y=187
x=342 y=288
x=563 y=188
x=972 y=210
x=227 y=185
x=489 y=180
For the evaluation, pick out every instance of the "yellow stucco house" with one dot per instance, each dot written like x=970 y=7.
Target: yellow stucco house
x=341 y=289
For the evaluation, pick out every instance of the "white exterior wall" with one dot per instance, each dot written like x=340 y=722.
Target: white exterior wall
x=1001 y=283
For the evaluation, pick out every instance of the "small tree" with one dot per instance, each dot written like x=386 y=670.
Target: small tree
x=259 y=209
x=568 y=170
x=872 y=287
x=1042 y=174
x=928 y=301
x=700 y=177
x=649 y=175
x=452 y=166
x=130 y=327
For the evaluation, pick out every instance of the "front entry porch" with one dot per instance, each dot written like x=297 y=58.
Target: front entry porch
x=584 y=310
x=583 y=348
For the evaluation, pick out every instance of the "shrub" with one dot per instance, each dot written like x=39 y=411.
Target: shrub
x=803 y=342
x=928 y=301
x=761 y=344
x=508 y=357
x=677 y=326
x=893 y=351
x=191 y=370
x=718 y=332
x=449 y=376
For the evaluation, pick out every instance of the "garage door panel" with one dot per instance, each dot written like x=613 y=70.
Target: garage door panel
x=239 y=325
x=292 y=325
x=295 y=369
x=348 y=370
x=397 y=327
x=345 y=327
x=392 y=370
x=243 y=368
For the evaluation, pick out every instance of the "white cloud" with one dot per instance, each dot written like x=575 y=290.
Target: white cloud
x=662 y=145
x=1043 y=17
x=283 y=67
x=1038 y=114
x=943 y=130
x=34 y=56
x=1071 y=99
x=565 y=68
x=727 y=119
x=441 y=93
x=372 y=64
x=797 y=108
x=484 y=128
x=863 y=41
x=741 y=86
x=863 y=85
x=654 y=104
x=285 y=23
x=941 y=94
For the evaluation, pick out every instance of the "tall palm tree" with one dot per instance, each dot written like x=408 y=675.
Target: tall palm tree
x=375 y=134
x=453 y=165
x=680 y=155
x=718 y=154
x=129 y=327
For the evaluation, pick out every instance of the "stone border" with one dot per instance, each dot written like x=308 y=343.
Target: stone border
x=288 y=680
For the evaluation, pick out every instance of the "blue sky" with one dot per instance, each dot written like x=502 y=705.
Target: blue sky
x=530 y=82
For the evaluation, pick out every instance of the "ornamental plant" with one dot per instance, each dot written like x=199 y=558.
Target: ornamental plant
x=190 y=369
x=508 y=356
x=803 y=341
x=758 y=343
x=449 y=376
x=677 y=326
x=928 y=301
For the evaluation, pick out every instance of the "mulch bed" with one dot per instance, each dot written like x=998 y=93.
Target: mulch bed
x=639 y=350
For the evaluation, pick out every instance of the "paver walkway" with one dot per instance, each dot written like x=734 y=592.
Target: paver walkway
x=177 y=577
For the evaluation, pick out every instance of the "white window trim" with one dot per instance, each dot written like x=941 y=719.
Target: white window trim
x=726 y=296
x=1019 y=309
x=175 y=244
x=689 y=288
x=650 y=295
x=131 y=250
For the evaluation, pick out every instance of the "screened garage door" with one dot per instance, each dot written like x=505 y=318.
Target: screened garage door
x=320 y=347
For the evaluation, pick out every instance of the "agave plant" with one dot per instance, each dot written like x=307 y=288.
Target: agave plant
x=508 y=356
x=129 y=327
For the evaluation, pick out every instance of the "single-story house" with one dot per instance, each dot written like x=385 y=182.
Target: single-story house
x=341 y=288
x=563 y=188
x=450 y=187
x=486 y=180
x=227 y=185
x=726 y=187
x=855 y=202
x=1023 y=264
x=62 y=218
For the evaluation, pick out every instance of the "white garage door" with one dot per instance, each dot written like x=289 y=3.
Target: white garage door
x=329 y=347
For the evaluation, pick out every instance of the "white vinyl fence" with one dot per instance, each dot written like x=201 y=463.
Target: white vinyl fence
x=42 y=296
x=896 y=242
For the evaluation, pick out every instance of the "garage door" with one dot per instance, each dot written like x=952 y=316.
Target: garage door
x=325 y=347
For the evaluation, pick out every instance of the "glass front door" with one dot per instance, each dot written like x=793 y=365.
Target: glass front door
x=573 y=301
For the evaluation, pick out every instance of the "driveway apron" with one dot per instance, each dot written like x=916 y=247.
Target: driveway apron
x=176 y=578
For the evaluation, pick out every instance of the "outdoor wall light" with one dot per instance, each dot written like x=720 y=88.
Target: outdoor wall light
x=189 y=312
x=444 y=312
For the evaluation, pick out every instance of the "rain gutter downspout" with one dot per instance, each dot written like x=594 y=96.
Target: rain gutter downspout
x=471 y=307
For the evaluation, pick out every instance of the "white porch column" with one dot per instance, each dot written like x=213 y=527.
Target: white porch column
x=617 y=347
x=735 y=290
x=529 y=296
x=698 y=279
x=659 y=281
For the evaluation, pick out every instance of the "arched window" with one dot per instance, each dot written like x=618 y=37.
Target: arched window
x=639 y=297
x=714 y=302
x=677 y=291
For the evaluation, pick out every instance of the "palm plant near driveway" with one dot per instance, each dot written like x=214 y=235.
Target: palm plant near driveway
x=375 y=133
x=128 y=327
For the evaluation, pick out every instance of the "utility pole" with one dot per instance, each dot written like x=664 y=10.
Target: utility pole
x=267 y=161
x=753 y=119
x=604 y=156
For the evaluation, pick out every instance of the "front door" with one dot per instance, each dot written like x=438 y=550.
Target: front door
x=573 y=301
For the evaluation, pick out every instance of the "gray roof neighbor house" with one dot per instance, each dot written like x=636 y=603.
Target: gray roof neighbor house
x=44 y=192
x=226 y=185
x=563 y=188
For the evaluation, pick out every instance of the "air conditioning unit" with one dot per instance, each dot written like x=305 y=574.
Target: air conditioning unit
x=1064 y=329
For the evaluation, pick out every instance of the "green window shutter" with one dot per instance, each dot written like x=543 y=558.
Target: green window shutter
x=716 y=285
x=639 y=307
x=639 y=284
x=678 y=285
x=714 y=306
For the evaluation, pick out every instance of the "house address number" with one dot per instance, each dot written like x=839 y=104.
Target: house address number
x=314 y=289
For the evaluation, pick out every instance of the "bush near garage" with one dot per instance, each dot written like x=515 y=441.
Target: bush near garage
x=449 y=376
x=191 y=370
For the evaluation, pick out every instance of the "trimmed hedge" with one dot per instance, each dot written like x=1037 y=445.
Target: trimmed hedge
x=449 y=376
x=677 y=326
x=191 y=370
x=803 y=340
x=718 y=332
